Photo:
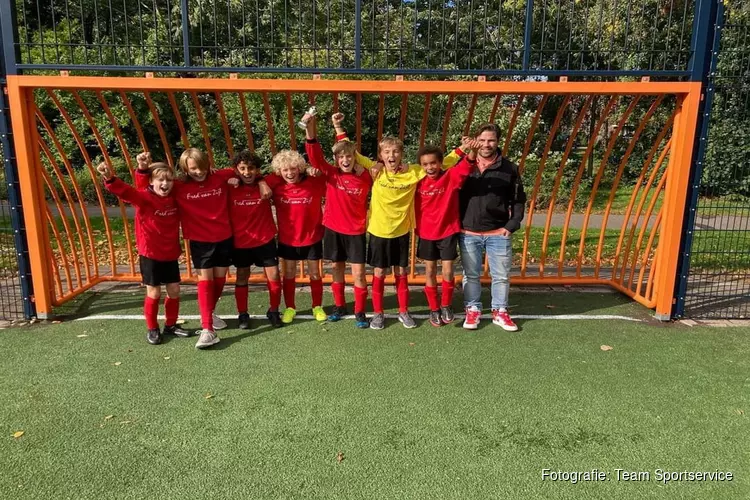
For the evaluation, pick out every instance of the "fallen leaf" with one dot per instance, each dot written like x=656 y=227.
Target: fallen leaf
x=208 y=395
x=118 y=363
x=550 y=306
x=109 y=417
x=18 y=434
x=412 y=344
x=56 y=322
x=81 y=335
x=167 y=357
x=339 y=457
x=180 y=322
x=740 y=412
x=606 y=348
x=126 y=422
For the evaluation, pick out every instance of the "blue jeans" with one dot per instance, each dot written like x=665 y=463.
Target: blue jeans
x=499 y=254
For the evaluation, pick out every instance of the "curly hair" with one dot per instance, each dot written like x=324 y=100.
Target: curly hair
x=430 y=149
x=196 y=155
x=286 y=158
x=247 y=156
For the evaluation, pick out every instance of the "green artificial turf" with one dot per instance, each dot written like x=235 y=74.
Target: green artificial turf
x=424 y=413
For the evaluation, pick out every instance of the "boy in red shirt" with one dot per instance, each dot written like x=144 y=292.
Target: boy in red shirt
x=344 y=219
x=438 y=225
x=157 y=234
x=254 y=233
x=298 y=198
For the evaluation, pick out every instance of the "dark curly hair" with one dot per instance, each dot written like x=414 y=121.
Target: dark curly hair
x=247 y=156
x=430 y=149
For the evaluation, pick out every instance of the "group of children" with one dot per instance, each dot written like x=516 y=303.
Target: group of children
x=227 y=217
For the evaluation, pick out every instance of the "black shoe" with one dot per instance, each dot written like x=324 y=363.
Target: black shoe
x=337 y=314
x=244 y=320
x=175 y=330
x=275 y=318
x=361 y=320
x=153 y=336
x=446 y=315
x=435 y=318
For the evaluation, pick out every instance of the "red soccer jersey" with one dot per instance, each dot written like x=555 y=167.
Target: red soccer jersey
x=157 y=223
x=346 y=194
x=436 y=202
x=298 y=209
x=252 y=217
x=204 y=207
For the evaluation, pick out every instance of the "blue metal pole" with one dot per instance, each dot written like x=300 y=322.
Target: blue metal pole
x=358 y=34
x=8 y=66
x=185 y=32
x=708 y=40
x=527 y=34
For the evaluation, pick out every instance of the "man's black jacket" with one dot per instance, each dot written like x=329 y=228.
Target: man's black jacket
x=493 y=199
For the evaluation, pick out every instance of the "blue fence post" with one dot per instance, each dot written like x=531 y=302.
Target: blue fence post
x=527 y=34
x=8 y=67
x=358 y=34
x=707 y=26
x=185 y=32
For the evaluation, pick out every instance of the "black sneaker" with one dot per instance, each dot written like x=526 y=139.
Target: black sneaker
x=153 y=336
x=275 y=318
x=446 y=315
x=361 y=319
x=175 y=330
x=244 y=320
x=435 y=318
x=337 y=314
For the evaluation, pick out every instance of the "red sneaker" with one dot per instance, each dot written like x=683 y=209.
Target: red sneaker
x=502 y=319
x=473 y=315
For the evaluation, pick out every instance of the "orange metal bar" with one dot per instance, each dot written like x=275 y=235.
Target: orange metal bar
x=81 y=201
x=105 y=154
x=655 y=264
x=88 y=286
x=558 y=178
x=290 y=118
x=204 y=129
x=402 y=121
x=54 y=263
x=348 y=86
x=246 y=121
x=335 y=102
x=21 y=102
x=652 y=152
x=644 y=227
x=58 y=204
x=137 y=124
x=592 y=197
x=447 y=120
x=56 y=233
x=425 y=119
x=225 y=125
x=118 y=132
x=381 y=116
x=512 y=124
x=159 y=128
x=542 y=163
x=470 y=116
x=495 y=105
x=92 y=173
x=675 y=194
x=178 y=117
x=269 y=123
x=646 y=255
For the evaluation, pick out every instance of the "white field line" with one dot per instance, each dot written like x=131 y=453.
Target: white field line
x=391 y=316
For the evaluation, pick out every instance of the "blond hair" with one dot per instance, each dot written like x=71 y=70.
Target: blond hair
x=160 y=169
x=344 y=147
x=289 y=158
x=196 y=155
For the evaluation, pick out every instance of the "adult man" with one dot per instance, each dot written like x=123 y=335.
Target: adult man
x=491 y=204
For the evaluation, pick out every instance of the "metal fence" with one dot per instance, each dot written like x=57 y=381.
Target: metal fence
x=718 y=276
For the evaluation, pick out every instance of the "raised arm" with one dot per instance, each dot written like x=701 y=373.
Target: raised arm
x=315 y=151
x=121 y=189
x=143 y=172
x=338 y=119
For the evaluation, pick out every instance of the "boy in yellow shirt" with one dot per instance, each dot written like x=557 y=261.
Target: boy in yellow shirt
x=391 y=219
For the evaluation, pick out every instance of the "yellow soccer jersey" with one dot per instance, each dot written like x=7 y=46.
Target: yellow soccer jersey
x=392 y=203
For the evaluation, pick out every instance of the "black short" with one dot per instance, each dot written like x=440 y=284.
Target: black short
x=207 y=255
x=338 y=247
x=308 y=252
x=445 y=249
x=262 y=256
x=158 y=272
x=387 y=252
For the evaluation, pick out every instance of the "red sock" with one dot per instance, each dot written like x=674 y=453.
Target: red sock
x=378 y=289
x=402 y=291
x=171 y=309
x=316 y=290
x=290 y=285
x=338 y=294
x=448 y=287
x=218 y=289
x=205 y=303
x=360 y=299
x=240 y=297
x=274 y=294
x=151 y=311
x=432 y=298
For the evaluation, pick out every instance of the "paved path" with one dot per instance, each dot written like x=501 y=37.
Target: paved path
x=614 y=221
